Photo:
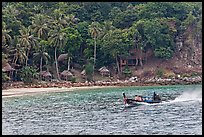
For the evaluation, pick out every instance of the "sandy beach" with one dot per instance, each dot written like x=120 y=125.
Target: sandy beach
x=14 y=92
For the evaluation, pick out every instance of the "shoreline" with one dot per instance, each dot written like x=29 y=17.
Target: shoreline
x=14 y=92
x=15 y=89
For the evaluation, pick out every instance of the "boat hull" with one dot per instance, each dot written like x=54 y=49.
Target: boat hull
x=152 y=101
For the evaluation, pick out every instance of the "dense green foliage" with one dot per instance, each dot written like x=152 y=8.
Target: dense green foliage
x=28 y=74
x=127 y=72
x=4 y=77
x=36 y=33
x=89 y=70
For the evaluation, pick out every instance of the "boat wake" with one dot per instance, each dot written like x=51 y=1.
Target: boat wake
x=188 y=95
x=195 y=94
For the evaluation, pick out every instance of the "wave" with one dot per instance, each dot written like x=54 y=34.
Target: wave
x=190 y=94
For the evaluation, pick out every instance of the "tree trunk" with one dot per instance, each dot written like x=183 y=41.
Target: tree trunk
x=136 y=62
x=141 y=56
x=27 y=57
x=56 y=64
x=41 y=64
x=14 y=61
x=94 y=56
x=117 y=64
x=68 y=63
x=141 y=64
x=41 y=68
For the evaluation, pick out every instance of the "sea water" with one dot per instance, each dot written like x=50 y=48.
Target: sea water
x=102 y=112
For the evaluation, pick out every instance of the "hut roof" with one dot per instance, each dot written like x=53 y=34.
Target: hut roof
x=15 y=65
x=42 y=73
x=66 y=73
x=7 y=67
x=47 y=74
x=62 y=57
x=83 y=72
x=103 y=69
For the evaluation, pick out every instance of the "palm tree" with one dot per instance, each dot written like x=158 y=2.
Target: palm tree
x=6 y=38
x=95 y=31
x=17 y=53
x=71 y=20
x=26 y=40
x=57 y=40
x=40 y=55
x=107 y=26
x=40 y=26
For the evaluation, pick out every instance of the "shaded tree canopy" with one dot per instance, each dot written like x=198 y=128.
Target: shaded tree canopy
x=67 y=27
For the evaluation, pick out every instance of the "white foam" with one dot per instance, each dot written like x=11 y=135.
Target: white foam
x=190 y=95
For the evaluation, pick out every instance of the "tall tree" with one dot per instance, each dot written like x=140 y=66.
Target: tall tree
x=41 y=54
x=57 y=40
x=6 y=37
x=94 y=31
x=73 y=43
x=40 y=26
x=18 y=52
x=72 y=36
x=27 y=40
x=116 y=43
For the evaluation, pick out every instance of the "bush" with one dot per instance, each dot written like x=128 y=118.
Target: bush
x=160 y=73
x=89 y=71
x=163 y=52
x=193 y=74
x=5 y=77
x=185 y=75
x=28 y=74
x=127 y=72
x=73 y=79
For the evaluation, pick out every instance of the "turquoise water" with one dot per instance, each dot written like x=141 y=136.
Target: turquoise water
x=102 y=111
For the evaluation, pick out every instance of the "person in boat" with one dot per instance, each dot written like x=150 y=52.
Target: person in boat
x=138 y=98
x=156 y=97
x=126 y=100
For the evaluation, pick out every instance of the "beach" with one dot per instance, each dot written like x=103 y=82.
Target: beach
x=14 y=92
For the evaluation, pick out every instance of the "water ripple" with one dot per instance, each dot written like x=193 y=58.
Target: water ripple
x=101 y=111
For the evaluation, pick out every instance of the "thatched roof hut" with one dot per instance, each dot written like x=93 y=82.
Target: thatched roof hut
x=62 y=57
x=7 y=68
x=66 y=73
x=41 y=73
x=101 y=68
x=104 y=71
x=83 y=72
x=47 y=74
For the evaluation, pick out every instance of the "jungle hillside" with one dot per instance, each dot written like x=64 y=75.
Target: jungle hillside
x=54 y=38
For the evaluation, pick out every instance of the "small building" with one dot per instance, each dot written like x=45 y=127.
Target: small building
x=66 y=75
x=104 y=71
x=62 y=57
x=45 y=75
x=83 y=73
x=136 y=57
x=7 y=68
